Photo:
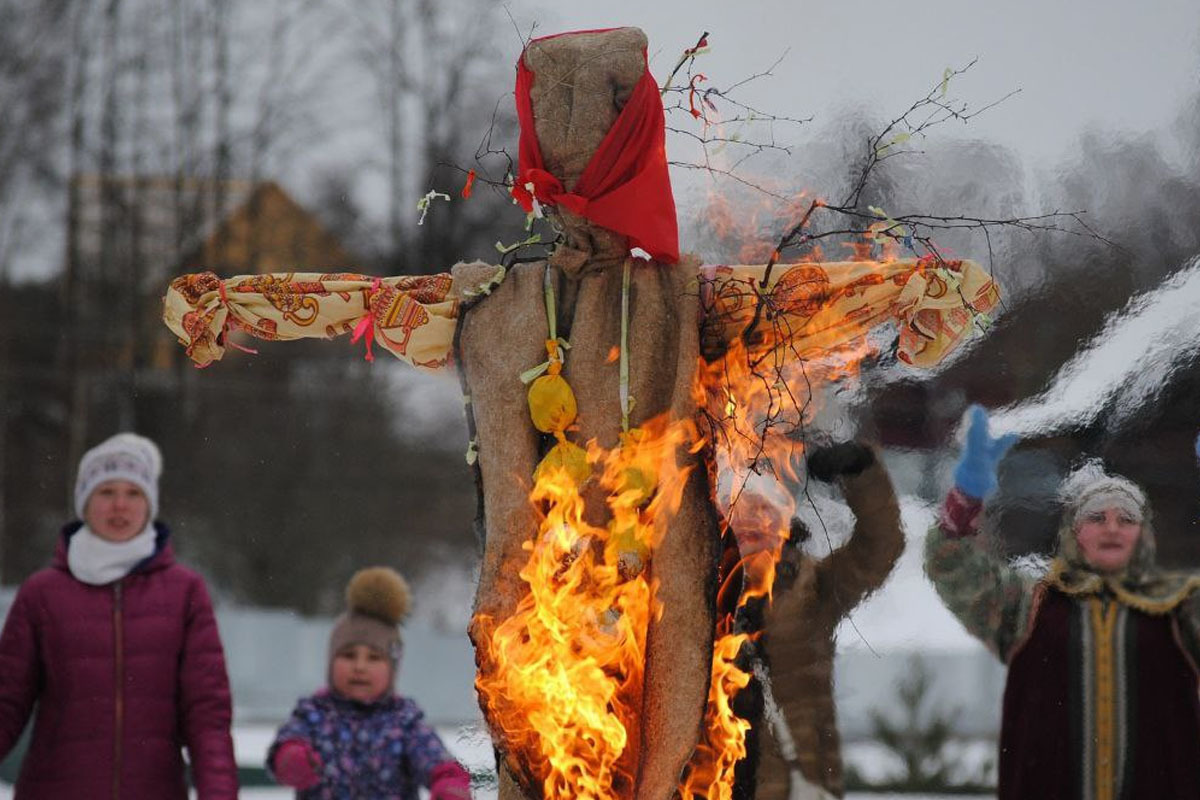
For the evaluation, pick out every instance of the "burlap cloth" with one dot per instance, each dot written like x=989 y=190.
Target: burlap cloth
x=581 y=81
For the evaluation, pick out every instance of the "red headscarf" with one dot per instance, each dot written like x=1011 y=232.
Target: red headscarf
x=625 y=186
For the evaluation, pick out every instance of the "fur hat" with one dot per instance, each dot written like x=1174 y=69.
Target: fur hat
x=1090 y=488
x=377 y=601
x=124 y=457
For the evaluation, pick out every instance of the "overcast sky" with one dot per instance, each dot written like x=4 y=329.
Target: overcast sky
x=1120 y=66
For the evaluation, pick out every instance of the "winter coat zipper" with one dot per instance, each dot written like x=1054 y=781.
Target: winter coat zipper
x=119 y=695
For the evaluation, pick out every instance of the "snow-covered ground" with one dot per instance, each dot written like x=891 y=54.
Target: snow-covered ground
x=468 y=744
x=287 y=794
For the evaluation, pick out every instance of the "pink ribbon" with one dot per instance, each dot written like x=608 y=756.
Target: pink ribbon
x=366 y=323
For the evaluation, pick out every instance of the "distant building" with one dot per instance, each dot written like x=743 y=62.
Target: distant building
x=268 y=231
x=140 y=232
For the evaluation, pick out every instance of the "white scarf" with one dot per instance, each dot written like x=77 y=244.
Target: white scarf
x=98 y=561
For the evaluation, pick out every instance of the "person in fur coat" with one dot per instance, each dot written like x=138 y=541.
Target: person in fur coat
x=117 y=647
x=357 y=738
x=1101 y=695
x=812 y=596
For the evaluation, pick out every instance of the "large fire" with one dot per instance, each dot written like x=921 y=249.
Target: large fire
x=566 y=690
x=755 y=411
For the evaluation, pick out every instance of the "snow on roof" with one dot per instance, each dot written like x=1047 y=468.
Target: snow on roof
x=1124 y=366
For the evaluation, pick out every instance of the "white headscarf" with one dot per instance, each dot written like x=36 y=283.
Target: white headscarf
x=1142 y=584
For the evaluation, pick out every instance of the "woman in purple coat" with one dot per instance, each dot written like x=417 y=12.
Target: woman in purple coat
x=117 y=647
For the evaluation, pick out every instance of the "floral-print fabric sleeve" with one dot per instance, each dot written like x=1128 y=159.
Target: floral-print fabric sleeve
x=990 y=598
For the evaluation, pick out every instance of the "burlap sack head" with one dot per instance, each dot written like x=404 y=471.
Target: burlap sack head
x=583 y=82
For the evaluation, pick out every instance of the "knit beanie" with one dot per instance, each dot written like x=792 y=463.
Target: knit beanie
x=377 y=600
x=124 y=457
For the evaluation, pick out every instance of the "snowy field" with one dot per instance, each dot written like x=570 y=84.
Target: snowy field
x=468 y=745
x=284 y=794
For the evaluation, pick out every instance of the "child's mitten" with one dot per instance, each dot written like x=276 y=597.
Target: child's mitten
x=297 y=765
x=449 y=781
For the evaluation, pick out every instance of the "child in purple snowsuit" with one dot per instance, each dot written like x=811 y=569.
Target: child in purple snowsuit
x=357 y=738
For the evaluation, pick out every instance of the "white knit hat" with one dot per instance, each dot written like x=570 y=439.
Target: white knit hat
x=124 y=457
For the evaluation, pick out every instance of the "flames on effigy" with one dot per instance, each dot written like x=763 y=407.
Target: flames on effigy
x=754 y=412
x=566 y=690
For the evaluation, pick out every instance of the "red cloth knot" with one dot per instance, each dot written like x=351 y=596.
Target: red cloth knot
x=624 y=187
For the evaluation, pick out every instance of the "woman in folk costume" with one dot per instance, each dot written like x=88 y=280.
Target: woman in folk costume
x=117 y=646
x=1101 y=697
x=357 y=738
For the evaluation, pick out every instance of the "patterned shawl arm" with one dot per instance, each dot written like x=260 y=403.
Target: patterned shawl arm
x=412 y=317
x=991 y=599
x=812 y=307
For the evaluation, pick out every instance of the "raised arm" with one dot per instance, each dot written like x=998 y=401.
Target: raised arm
x=990 y=599
x=862 y=564
x=412 y=317
x=932 y=302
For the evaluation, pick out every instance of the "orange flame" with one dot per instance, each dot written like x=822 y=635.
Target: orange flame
x=723 y=743
x=756 y=408
x=567 y=684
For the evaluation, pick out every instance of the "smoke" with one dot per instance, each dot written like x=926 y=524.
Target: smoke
x=1123 y=368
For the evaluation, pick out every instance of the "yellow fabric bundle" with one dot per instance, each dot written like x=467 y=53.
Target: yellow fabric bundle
x=567 y=456
x=551 y=402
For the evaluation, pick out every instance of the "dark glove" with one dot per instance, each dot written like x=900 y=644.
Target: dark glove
x=845 y=458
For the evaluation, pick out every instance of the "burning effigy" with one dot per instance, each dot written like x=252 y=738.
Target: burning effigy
x=616 y=406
